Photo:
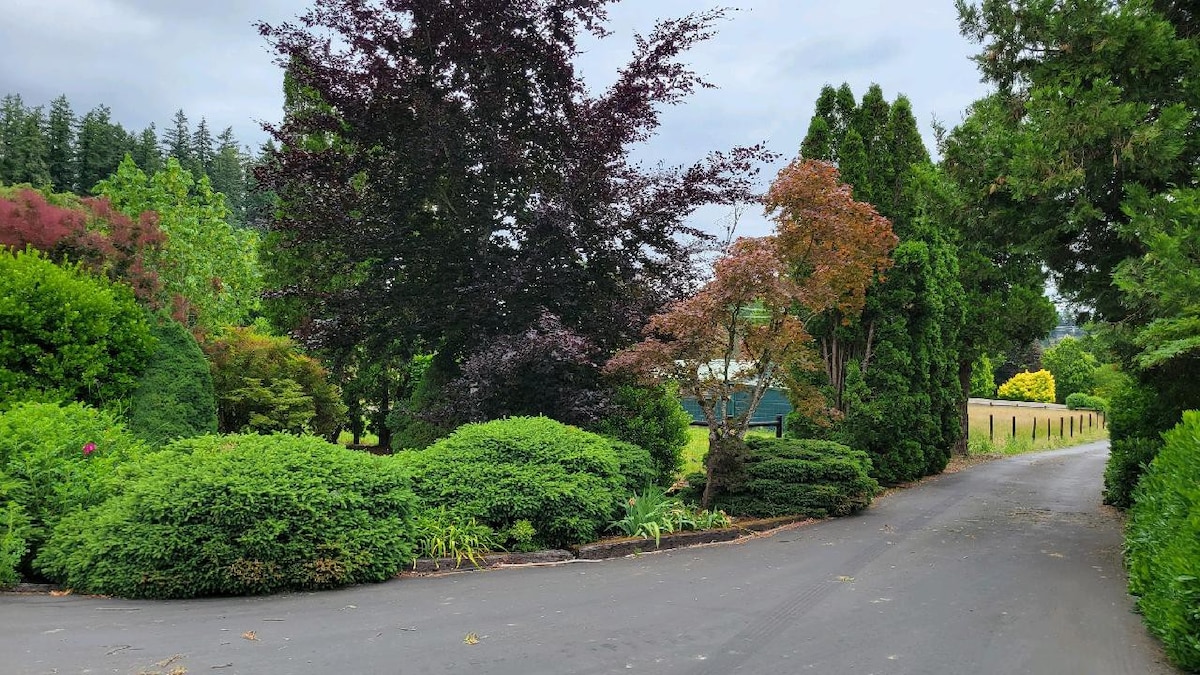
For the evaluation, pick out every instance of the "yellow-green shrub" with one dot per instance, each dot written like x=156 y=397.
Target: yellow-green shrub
x=1036 y=387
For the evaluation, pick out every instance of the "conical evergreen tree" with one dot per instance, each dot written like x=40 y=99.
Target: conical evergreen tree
x=146 y=153
x=226 y=174
x=31 y=151
x=60 y=145
x=12 y=116
x=854 y=166
x=99 y=148
x=202 y=150
x=906 y=150
x=177 y=139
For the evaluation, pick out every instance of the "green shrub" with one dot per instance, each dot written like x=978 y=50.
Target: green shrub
x=174 y=398
x=65 y=335
x=1081 y=401
x=565 y=481
x=1037 y=387
x=59 y=459
x=637 y=468
x=1072 y=366
x=652 y=513
x=654 y=419
x=1127 y=460
x=265 y=384
x=14 y=532
x=236 y=515
x=787 y=476
x=983 y=378
x=1162 y=545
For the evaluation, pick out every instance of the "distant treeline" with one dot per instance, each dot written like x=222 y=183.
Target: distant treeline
x=56 y=148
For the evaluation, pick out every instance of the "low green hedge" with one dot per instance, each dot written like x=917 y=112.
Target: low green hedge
x=1082 y=401
x=566 y=482
x=789 y=476
x=55 y=460
x=1162 y=546
x=1127 y=460
x=238 y=515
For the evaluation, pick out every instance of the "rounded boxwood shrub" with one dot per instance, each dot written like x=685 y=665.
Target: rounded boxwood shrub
x=237 y=515
x=174 y=398
x=790 y=476
x=55 y=460
x=565 y=481
x=1162 y=545
x=65 y=335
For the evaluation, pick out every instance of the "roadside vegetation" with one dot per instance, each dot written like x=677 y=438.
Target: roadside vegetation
x=499 y=295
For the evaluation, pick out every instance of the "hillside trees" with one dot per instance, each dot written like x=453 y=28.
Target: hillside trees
x=461 y=184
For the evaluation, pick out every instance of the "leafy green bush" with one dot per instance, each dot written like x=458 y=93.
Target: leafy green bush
x=55 y=460
x=983 y=378
x=1081 y=401
x=14 y=530
x=265 y=384
x=1072 y=366
x=1127 y=460
x=235 y=515
x=174 y=398
x=565 y=481
x=65 y=335
x=1037 y=387
x=1162 y=546
x=638 y=469
x=788 y=476
x=654 y=419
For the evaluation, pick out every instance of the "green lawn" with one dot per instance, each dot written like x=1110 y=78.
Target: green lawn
x=697 y=447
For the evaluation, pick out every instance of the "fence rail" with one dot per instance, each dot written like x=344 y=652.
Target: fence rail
x=777 y=424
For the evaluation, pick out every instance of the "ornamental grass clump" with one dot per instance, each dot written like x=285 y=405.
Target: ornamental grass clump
x=239 y=515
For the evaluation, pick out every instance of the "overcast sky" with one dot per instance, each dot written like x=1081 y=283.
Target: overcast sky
x=147 y=58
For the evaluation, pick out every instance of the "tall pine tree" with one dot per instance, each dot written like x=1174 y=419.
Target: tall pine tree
x=60 y=145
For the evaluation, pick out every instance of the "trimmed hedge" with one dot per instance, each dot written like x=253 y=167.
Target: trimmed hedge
x=1127 y=460
x=174 y=398
x=565 y=481
x=789 y=476
x=238 y=515
x=65 y=335
x=1037 y=387
x=1162 y=546
x=55 y=460
x=1082 y=401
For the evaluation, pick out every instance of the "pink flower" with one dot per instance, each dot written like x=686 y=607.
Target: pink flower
x=88 y=448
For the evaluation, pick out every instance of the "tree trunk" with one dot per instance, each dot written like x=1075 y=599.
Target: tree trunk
x=385 y=406
x=964 y=381
x=723 y=462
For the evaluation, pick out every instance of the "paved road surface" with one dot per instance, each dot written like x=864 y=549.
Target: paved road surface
x=1010 y=567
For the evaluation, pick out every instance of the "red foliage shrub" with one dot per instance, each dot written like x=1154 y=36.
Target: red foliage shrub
x=87 y=231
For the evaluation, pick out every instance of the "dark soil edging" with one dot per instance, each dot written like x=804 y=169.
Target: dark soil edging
x=611 y=548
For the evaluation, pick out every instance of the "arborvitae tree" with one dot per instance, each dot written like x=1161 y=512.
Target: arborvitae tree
x=906 y=149
x=226 y=174
x=99 y=148
x=855 y=165
x=871 y=121
x=818 y=142
x=146 y=152
x=177 y=139
x=202 y=149
x=60 y=145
